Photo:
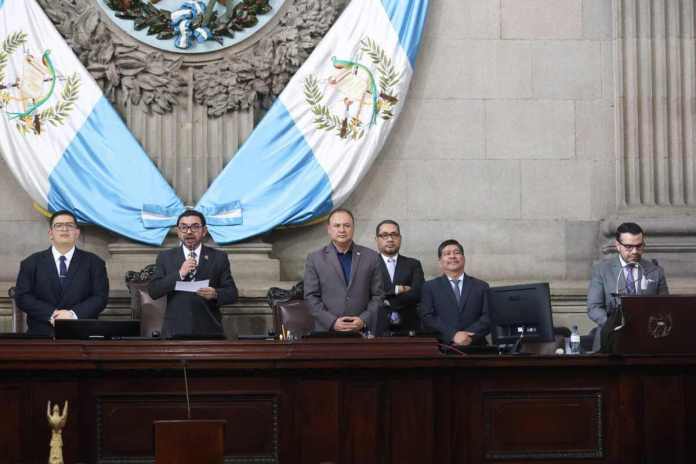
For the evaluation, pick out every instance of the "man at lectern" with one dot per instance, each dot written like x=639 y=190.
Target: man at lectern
x=196 y=280
x=61 y=282
x=627 y=274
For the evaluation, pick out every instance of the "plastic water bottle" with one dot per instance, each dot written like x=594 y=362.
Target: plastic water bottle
x=574 y=341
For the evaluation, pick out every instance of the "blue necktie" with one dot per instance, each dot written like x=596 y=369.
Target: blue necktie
x=455 y=289
x=630 y=281
x=63 y=271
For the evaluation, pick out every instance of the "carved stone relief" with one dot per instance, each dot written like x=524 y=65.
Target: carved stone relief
x=192 y=112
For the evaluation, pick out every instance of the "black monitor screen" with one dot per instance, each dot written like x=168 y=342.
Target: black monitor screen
x=517 y=309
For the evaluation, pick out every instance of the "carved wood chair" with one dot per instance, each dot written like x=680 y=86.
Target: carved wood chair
x=149 y=311
x=19 y=317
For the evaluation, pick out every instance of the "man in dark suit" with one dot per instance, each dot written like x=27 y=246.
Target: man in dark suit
x=342 y=281
x=61 y=282
x=455 y=304
x=403 y=279
x=193 y=313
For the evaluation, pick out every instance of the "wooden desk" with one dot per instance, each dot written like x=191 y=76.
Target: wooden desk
x=348 y=401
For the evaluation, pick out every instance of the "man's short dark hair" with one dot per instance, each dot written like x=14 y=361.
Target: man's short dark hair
x=628 y=228
x=62 y=212
x=340 y=210
x=191 y=212
x=447 y=243
x=388 y=221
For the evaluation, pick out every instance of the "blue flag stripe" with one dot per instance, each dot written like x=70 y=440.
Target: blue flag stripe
x=408 y=19
x=274 y=176
x=104 y=176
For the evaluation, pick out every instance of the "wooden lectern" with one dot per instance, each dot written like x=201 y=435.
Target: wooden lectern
x=189 y=441
x=657 y=324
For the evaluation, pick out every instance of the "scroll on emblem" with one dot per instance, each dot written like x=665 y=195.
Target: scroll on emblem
x=57 y=421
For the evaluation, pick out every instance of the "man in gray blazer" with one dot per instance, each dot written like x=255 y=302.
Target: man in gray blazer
x=626 y=274
x=343 y=281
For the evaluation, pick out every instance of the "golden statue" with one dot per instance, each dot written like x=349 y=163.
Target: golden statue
x=57 y=421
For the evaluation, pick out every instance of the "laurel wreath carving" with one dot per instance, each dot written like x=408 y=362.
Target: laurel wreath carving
x=250 y=78
x=324 y=119
x=9 y=46
x=56 y=114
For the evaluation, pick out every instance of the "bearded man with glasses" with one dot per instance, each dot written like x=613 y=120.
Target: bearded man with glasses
x=193 y=313
x=62 y=282
x=625 y=274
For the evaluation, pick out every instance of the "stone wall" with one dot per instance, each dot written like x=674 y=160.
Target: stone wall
x=506 y=143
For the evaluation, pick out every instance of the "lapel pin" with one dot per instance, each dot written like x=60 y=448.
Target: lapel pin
x=205 y=257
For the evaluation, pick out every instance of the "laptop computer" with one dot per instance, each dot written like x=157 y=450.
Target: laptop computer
x=657 y=324
x=95 y=329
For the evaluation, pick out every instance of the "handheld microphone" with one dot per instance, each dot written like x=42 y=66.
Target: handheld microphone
x=186 y=385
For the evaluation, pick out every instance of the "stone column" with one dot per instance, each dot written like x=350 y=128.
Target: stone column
x=655 y=65
x=655 y=85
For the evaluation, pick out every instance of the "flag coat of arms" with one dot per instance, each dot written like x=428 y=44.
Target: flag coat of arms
x=60 y=137
x=321 y=136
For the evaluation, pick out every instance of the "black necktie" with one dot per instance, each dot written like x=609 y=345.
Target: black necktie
x=63 y=271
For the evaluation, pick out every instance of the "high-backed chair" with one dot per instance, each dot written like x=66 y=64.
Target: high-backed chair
x=290 y=311
x=19 y=317
x=292 y=316
x=149 y=311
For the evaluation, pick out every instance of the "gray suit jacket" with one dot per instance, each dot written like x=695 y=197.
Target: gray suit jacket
x=329 y=297
x=607 y=277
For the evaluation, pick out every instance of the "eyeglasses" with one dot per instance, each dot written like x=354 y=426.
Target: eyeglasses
x=385 y=236
x=639 y=246
x=185 y=228
x=64 y=226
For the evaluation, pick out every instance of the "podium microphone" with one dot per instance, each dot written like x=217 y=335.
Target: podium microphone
x=186 y=385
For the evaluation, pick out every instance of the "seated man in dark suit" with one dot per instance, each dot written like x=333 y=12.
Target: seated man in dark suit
x=193 y=313
x=61 y=282
x=403 y=279
x=455 y=304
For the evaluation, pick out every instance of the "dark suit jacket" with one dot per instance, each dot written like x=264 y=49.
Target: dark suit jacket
x=38 y=291
x=329 y=297
x=408 y=272
x=188 y=313
x=439 y=311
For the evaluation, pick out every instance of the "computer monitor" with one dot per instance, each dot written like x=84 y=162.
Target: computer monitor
x=520 y=310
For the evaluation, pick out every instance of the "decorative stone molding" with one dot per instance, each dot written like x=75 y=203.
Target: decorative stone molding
x=117 y=63
x=233 y=79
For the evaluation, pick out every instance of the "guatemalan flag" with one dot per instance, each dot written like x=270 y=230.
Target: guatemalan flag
x=322 y=134
x=60 y=137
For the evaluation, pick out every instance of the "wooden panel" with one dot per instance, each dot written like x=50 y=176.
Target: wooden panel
x=251 y=430
x=663 y=419
x=690 y=413
x=411 y=421
x=316 y=422
x=10 y=426
x=189 y=441
x=543 y=425
x=362 y=423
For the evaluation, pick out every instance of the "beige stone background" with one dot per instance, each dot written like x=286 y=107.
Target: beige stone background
x=532 y=129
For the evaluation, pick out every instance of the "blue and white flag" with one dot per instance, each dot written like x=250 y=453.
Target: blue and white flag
x=60 y=137
x=322 y=134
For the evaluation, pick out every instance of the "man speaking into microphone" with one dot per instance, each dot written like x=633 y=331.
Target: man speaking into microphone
x=196 y=280
x=625 y=274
